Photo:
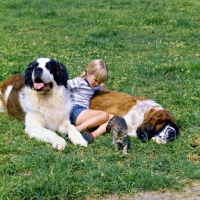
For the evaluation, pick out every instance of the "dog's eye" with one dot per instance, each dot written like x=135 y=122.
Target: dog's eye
x=33 y=65
x=36 y=64
x=49 y=67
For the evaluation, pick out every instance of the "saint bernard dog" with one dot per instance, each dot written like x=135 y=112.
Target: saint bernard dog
x=40 y=98
x=145 y=118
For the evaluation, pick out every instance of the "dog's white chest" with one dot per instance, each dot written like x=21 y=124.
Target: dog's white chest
x=51 y=108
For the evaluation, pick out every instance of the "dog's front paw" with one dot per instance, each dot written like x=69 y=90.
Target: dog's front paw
x=59 y=143
x=78 y=140
x=75 y=137
x=158 y=140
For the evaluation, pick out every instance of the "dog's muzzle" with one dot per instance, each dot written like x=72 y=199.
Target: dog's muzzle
x=38 y=72
x=168 y=133
x=39 y=85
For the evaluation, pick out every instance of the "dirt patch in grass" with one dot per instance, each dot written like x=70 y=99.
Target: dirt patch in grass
x=191 y=192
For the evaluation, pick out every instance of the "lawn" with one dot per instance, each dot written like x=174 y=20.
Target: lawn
x=152 y=49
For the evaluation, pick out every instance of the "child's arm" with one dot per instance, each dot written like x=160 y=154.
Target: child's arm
x=105 y=89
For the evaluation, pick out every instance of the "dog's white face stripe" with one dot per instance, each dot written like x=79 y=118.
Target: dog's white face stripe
x=42 y=61
x=168 y=133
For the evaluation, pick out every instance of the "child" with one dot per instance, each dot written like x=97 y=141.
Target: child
x=83 y=89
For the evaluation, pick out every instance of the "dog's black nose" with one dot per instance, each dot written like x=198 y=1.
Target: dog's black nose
x=38 y=71
x=170 y=135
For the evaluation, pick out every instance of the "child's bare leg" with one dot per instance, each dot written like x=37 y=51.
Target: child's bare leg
x=102 y=128
x=90 y=119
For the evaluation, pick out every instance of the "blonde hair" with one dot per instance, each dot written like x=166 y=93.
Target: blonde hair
x=98 y=68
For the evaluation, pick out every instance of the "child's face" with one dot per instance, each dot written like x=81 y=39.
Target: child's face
x=92 y=80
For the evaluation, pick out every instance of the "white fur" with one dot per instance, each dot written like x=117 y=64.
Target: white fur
x=158 y=140
x=46 y=113
x=2 y=105
x=136 y=115
x=7 y=92
x=46 y=76
x=4 y=98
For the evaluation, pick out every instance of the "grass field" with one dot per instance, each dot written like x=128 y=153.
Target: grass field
x=152 y=49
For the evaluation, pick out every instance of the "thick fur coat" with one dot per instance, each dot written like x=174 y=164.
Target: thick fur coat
x=144 y=117
x=41 y=100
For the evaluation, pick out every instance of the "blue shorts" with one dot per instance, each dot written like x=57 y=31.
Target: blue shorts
x=76 y=110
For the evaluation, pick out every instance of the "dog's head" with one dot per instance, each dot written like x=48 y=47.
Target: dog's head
x=44 y=74
x=158 y=123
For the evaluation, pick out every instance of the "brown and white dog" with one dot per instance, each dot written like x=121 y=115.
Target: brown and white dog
x=41 y=100
x=145 y=118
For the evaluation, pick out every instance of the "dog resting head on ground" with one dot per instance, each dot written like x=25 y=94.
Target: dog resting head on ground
x=41 y=100
x=157 y=124
x=145 y=118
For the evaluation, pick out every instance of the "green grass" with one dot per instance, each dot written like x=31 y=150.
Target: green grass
x=152 y=49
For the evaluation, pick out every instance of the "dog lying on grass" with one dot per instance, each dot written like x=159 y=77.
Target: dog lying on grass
x=41 y=100
x=145 y=118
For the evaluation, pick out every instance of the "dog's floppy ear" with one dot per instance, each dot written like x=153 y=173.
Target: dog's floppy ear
x=28 y=74
x=144 y=131
x=162 y=118
x=61 y=74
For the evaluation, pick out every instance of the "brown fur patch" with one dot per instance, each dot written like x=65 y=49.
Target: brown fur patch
x=13 y=106
x=16 y=80
x=113 y=102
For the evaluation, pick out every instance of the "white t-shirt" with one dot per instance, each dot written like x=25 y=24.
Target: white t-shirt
x=82 y=92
